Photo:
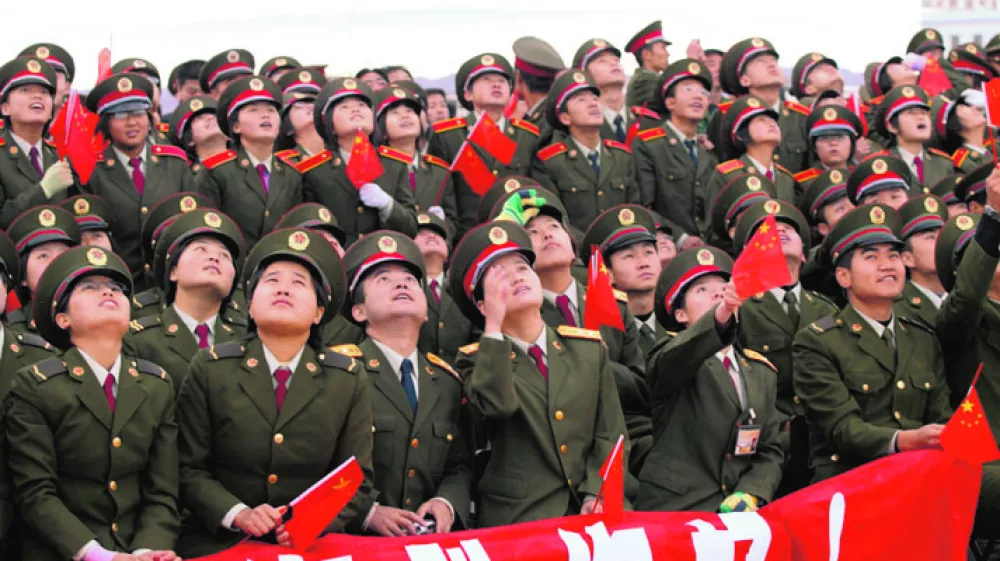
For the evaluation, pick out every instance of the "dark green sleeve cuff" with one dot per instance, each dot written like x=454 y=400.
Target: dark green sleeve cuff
x=988 y=232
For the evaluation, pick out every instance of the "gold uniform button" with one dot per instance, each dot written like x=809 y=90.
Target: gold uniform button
x=834 y=458
x=572 y=189
x=495 y=172
x=113 y=486
x=563 y=449
x=449 y=437
x=409 y=502
x=116 y=442
x=114 y=527
x=569 y=482
x=559 y=415
x=901 y=385
x=723 y=487
x=267 y=213
x=864 y=387
x=897 y=415
x=373 y=428
x=766 y=348
x=441 y=325
x=272 y=479
x=361 y=210
x=796 y=400
x=144 y=210
x=600 y=193
x=411 y=474
x=927 y=385
x=414 y=443
x=279 y=438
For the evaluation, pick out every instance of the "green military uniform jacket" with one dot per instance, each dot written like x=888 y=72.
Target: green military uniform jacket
x=423 y=455
x=341 y=331
x=431 y=176
x=22 y=320
x=766 y=328
x=447 y=139
x=641 y=87
x=648 y=336
x=549 y=438
x=669 y=182
x=83 y=473
x=325 y=181
x=965 y=159
x=937 y=166
x=19 y=182
x=446 y=328
x=236 y=447
x=564 y=169
x=537 y=116
x=855 y=400
x=232 y=183
x=793 y=153
x=915 y=305
x=166 y=171
x=166 y=340
x=785 y=186
x=151 y=302
x=695 y=468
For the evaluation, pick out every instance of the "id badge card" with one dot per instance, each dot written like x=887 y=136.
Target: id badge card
x=746 y=440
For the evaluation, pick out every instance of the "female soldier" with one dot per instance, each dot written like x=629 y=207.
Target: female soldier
x=194 y=128
x=297 y=137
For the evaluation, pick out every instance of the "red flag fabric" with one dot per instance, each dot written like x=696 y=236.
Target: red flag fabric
x=633 y=131
x=13 y=302
x=511 y=109
x=967 y=435
x=933 y=80
x=488 y=136
x=74 y=132
x=473 y=169
x=313 y=510
x=103 y=64
x=992 y=91
x=601 y=307
x=761 y=265
x=611 y=497
x=365 y=165
x=855 y=106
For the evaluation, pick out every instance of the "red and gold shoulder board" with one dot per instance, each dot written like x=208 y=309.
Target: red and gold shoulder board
x=436 y=161
x=164 y=150
x=615 y=144
x=551 y=151
x=578 y=333
x=449 y=124
x=754 y=355
x=219 y=159
x=3 y=142
x=621 y=296
x=352 y=351
x=290 y=153
x=939 y=153
x=797 y=107
x=470 y=349
x=314 y=161
x=806 y=175
x=729 y=167
x=526 y=126
x=782 y=168
x=724 y=106
x=652 y=134
x=47 y=142
x=440 y=363
x=394 y=154
x=959 y=157
x=640 y=111
x=163 y=127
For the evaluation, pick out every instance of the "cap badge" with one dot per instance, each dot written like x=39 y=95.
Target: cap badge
x=879 y=166
x=931 y=204
x=626 y=217
x=600 y=43
x=233 y=56
x=753 y=183
x=47 y=218
x=930 y=34
x=298 y=241
x=908 y=92
x=498 y=235
x=694 y=68
x=877 y=215
x=350 y=84
x=124 y=85
x=196 y=104
x=487 y=60
x=705 y=257
x=579 y=78
x=81 y=206
x=324 y=214
x=213 y=219
x=772 y=206
x=399 y=93
x=138 y=63
x=423 y=219
x=387 y=245
x=33 y=66
x=256 y=84
x=97 y=257
x=305 y=76
x=816 y=57
x=42 y=52
x=757 y=42
x=280 y=61
x=753 y=103
x=836 y=176
x=188 y=203
x=830 y=114
x=964 y=223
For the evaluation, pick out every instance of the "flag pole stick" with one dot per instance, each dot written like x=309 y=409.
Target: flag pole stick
x=993 y=144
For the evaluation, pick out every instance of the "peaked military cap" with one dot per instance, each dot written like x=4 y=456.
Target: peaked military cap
x=652 y=33
x=242 y=92
x=590 y=49
x=386 y=98
x=741 y=192
x=865 y=226
x=313 y=216
x=331 y=93
x=92 y=212
x=43 y=224
x=301 y=80
x=501 y=186
x=121 y=93
x=735 y=60
x=433 y=222
x=873 y=76
x=972 y=187
x=925 y=40
x=951 y=244
x=185 y=113
x=618 y=228
x=486 y=63
x=375 y=249
x=194 y=224
x=687 y=267
x=535 y=57
x=921 y=213
x=57 y=57
x=827 y=187
x=898 y=99
x=740 y=113
x=565 y=87
x=878 y=173
x=137 y=66
x=26 y=70
x=802 y=68
x=163 y=215
x=755 y=214
x=834 y=120
x=274 y=64
x=227 y=64
x=946 y=187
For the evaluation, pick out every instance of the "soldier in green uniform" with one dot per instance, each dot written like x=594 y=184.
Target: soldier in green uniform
x=536 y=64
x=30 y=170
x=649 y=47
x=883 y=179
x=904 y=118
x=145 y=68
x=589 y=175
x=91 y=432
x=263 y=419
x=183 y=80
x=60 y=61
x=741 y=191
x=298 y=138
x=928 y=43
x=733 y=460
x=422 y=460
x=813 y=74
x=194 y=128
x=672 y=169
x=770 y=320
x=197 y=265
x=834 y=133
x=250 y=183
x=483 y=85
x=824 y=202
x=751 y=67
x=945 y=190
x=970 y=60
x=133 y=174
x=223 y=69
x=601 y=61
x=94 y=218
x=40 y=234
x=547 y=394
x=972 y=188
x=993 y=52
x=872 y=382
x=960 y=129
x=276 y=67
x=343 y=107
x=921 y=220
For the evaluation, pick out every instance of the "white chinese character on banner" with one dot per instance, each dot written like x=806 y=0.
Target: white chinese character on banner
x=632 y=544
x=470 y=550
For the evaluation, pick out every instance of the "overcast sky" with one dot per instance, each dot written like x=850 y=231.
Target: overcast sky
x=434 y=39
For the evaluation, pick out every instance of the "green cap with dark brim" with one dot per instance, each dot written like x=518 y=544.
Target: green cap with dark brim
x=333 y=92
x=243 y=92
x=225 y=65
x=896 y=101
x=972 y=187
x=687 y=267
x=741 y=192
x=184 y=114
x=946 y=188
x=735 y=60
x=57 y=57
x=865 y=226
x=878 y=173
x=921 y=213
x=802 y=68
x=750 y=221
x=925 y=40
x=501 y=187
x=375 y=249
x=590 y=49
x=163 y=214
x=826 y=188
x=434 y=223
x=677 y=72
x=26 y=70
x=92 y=212
x=277 y=63
x=43 y=224
x=951 y=244
x=196 y=224
x=486 y=63
x=138 y=66
x=563 y=89
x=618 y=228
x=313 y=216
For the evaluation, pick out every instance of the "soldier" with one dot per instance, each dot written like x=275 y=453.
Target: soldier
x=813 y=74
x=649 y=47
x=298 y=138
x=183 y=81
x=250 y=184
x=742 y=191
x=945 y=190
x=438 y=106
x=194 y=128
x=770 y=320
x=483 y=85
x=224 y=69
x=825 y=200
x=396 y=73
x=970 y=60
x=121 y=496
x=133 y=174
x=960 y=130
x=20 y=349
x=558 y=431
x=928 y=44
x=276 y=67
x=40 y=234
x=671 y=167
x=197 y=265
x=344 y=107
x=263 y=419
x=882 y=179
x=903 y=117
x=94 y=218
x=374 y=78
x=446 y=328
x=834 y=133
x=536 y=65
x=921 y=219
x=733 y=460
x=146 y=69
x=31 y=173
x=601 y=61
x=666 y=249
x=589 y=175
x=60 y=61
x=993 y=52
x=871 y=381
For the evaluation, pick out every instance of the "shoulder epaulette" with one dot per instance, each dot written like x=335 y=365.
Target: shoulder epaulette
x=48 y=368
x=551 y=151
x=3 y=142
x=394 y=154
x=219 y=159
x=797 y=107
x=806 y=175
x=729 y=167
x=671 y=333
x=314 y=161
x=640 y=111
x=436 y=161
x=470 y=349
x=151 y=368
x=754 y=355
x=440 y=363
x=813 y=295
x=783 y=168
x=34 y=340
x=352 y=351
x=288 y=156
x=47 y=142
x=621 y=296
x=173 y=151
x=163 y=127
x=337 y=360
x=17 y=316
x=652 y=134
x=143 y=323
x=236 y=319
x=145 y=298
x=578 y=333
x=289 y=153
x=227 y=350
x=823 y=324
x=526 y=126
x=724 y=106
x=916 y=323
x=450 y=124
x=939 y=153
x=959 y=157
x=615 y=144
x=876 y=101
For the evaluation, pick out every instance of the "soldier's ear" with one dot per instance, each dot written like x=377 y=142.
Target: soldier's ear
x=359 y=314
x=235 y=127
x=823 y=228
x=564 y=118
x=670 y=103
x=468 y=95
x=909 y=261
x=5 y=109
x=681 y=316
x=62 y=321
x=320 y=310
x=745 y=81
x=843 y=275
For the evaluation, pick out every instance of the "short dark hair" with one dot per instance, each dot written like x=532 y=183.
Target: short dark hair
x=190 y=70
x=378 y=71
x=104 y=125
x=884 y=80
x=380 y=136
x=537 y=84
x=393 y=68
x=638 y=54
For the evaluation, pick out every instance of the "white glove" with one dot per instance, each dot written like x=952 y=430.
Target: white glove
x=915 y=61
x=437 y=211
x=57 y=179
x=373 y=196
x=975 y=98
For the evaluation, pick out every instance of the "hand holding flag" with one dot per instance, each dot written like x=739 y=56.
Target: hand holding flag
x=761 y=265
x=365 y=165
x=74 y=132
x=488 y=136
x=968 y=435
x=314 y=510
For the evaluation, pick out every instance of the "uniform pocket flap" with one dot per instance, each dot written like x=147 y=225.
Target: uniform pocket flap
x=509 y=487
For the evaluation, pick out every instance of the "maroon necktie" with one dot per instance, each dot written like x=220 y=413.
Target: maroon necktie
x=202 y=332
x=35 y=162
x=770 y=175
x=281 y=375
x=109 y=391
x=535 y=352
x=434 y=291
x=562 y=302
x=918 y=163
x=137 y=177
x=413 y=180
x=264 y=176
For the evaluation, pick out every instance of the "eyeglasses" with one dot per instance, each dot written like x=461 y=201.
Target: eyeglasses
x=695 y=90
x=138 y=113
x=93 y=286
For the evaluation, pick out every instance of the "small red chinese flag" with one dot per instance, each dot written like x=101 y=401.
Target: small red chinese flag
x=488 y=136
x=473 y=169
x=314 y=509
x=933 y=80
x=601 y=308
x=365 y=165
x=74 y=134
x=103 y=64
x=611 y=496
x=13 y=302
x=992 y=91
x=761 y=265
x=968 y=435
x=633 y=131
x=511 y=109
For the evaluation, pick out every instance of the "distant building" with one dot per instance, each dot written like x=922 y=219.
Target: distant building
x=961 y=21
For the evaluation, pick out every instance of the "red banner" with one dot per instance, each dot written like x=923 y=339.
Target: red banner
x=917 y=506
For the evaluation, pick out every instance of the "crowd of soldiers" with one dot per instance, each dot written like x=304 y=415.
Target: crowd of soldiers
x=219 y=316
